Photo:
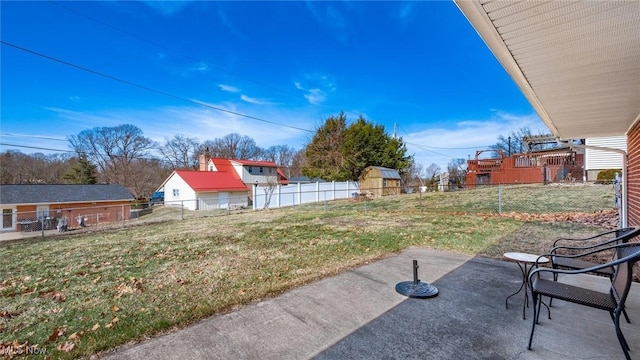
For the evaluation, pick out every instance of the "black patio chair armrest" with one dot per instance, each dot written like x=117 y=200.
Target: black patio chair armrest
x=584 y=239
x=604 y=243
x=594 y=268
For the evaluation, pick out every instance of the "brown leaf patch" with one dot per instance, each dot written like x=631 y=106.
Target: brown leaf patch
x=53 y=295
x=66 y=346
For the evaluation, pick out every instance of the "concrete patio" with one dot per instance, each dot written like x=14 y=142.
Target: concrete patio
x=359 y=315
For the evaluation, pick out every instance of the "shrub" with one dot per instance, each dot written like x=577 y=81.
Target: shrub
x=607 y=176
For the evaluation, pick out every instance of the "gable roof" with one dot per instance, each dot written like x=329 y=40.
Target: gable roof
x=62 y=193
x=385 y=173
x=212 y=180
x=227 y=165
x=256 y=163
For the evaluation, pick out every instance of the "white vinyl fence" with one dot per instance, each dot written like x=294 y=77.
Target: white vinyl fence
x=271 y=197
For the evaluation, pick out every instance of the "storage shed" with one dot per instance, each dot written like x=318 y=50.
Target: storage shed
x=380 y=181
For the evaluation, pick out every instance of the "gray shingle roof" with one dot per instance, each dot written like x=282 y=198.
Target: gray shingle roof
x=387 y=173
x=50 y=194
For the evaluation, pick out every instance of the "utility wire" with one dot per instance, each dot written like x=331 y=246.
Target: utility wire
x=143 y=87
x=162 y=47
x=33 y=137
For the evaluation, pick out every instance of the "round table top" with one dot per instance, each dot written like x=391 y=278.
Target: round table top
x=524 y=257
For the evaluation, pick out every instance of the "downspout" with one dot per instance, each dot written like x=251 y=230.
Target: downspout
x=623 y=203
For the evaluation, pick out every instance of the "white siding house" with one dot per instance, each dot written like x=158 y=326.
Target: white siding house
x=177 y=192
x=597 y=160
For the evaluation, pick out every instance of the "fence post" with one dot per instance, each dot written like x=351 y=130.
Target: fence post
x=181 y=209
x=325 y=201
x=317 y=191
x=333 y=188
x=499 y=198
x=42 y=224
x=279 y=194
x=122 y=215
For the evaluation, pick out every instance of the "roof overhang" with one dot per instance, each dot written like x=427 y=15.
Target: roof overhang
x=577 y=62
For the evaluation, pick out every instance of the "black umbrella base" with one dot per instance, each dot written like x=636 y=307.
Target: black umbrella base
x=416 y=290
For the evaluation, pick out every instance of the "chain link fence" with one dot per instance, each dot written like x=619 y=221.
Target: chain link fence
x=498 y=199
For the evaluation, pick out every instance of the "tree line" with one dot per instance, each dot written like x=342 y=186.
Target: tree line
x=123 y=155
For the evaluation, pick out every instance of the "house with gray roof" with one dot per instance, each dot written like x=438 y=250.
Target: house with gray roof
x=29 y=207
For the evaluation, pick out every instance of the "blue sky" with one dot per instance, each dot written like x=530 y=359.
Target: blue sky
x=291 y=64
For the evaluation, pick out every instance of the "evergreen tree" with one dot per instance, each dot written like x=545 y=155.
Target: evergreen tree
x=83 y=172
x=337 y=152
x=324 y=158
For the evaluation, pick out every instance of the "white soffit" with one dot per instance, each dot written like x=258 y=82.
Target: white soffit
x=577 y=62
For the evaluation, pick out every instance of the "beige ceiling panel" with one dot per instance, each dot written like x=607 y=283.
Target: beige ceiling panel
x=578 y=62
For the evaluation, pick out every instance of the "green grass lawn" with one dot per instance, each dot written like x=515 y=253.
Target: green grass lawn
x=73 y=296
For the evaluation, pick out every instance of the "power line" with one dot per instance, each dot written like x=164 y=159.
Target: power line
x=143 y=87
x=160 y=46
x=35 y=147
x=33 y=137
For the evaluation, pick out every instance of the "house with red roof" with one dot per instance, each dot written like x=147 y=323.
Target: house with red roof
x=219 y=183
x=205 y=190
x=249 y=171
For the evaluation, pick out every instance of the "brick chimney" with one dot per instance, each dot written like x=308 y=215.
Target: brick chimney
x=203 y=160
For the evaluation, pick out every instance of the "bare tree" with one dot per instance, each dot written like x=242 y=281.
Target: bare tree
x=457 y=172
x=282 y=155
x=232 y=146
x=36 y=168
x=114 y=150
x=430 y=174
x=181 y=152
x=297 y=163
x=411 y=176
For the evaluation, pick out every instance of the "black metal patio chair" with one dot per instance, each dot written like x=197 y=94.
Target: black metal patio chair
x=582 y=245
x=626 y=255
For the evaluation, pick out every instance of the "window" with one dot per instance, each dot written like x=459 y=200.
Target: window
x=7 y=218
x=43 y=211
x=261 y=169
x=176 y=192
x=210 y=167
x=249 y=169
x=384 y=182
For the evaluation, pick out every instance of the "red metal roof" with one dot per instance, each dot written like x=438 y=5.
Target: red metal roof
x=256 y=163
x=226 y=165
x=212 y=180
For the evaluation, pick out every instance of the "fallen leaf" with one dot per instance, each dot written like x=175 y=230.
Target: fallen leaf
x=95 y=327
x=55 y=335
x=66 y=346
x=73 y=336
x=115 y=308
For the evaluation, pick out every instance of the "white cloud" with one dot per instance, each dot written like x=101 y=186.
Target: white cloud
x=228 y=88
x=316 y=87
x=441 y=144
x=202 y=67
x=316 y=96
x=254 y=100
x=197 y=122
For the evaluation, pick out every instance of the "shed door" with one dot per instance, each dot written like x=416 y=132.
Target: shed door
x=209 y=202
x=223 y=200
